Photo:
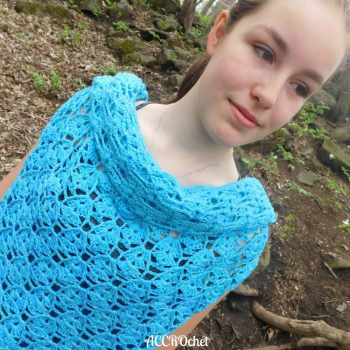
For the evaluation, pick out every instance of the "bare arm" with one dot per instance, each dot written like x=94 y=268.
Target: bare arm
x=190 y=324
x=11 y=177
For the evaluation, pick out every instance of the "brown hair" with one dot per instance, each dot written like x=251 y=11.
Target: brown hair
x=240 y=9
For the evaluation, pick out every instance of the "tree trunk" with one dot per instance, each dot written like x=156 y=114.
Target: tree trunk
x=341 y=111
x=187 y=13
x=207 y=7
x=219 y=6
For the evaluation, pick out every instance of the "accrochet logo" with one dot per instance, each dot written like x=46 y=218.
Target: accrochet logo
x=175 y=340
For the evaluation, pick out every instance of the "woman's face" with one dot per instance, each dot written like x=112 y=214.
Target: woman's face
x=263 y=70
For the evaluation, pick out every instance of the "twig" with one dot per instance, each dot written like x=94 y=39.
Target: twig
x=320 y=330
x=330 y=269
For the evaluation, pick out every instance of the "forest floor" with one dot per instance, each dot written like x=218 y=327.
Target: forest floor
x=295 y=284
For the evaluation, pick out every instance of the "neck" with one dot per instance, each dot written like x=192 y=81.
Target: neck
x=181 y=126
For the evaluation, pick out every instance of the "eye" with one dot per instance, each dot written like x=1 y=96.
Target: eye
x=265 y=53
x=301 y=90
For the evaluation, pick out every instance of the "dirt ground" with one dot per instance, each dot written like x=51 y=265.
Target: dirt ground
x=296 y=283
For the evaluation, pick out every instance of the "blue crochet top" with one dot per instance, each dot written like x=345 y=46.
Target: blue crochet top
x=100 y=248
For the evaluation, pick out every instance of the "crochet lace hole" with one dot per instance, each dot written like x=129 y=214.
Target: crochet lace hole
x=214 y=200
x=120 y=222
x=122 y=247
x=100 y=167
x=85 y=257
x=69 y=138
x=80 y=192
x=161 y=236
x=56 y=340
x=148 y=276
x=115 y=254
x=174 y=234
x=149 y=245
x=86 y=312
x=23 y=344
x=229 y=272
x=209 y=246
x=216 y=254
x=116 y=283
x=93 y=195
x=94 y=221
x=84 y=285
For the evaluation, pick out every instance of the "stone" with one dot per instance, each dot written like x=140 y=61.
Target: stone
x=341 y=134
x=322 y=97
x=165 y=6
x=125 y=46
x=121 y=11
x=166 y=23
x=92 y=6
x=308 y=178
x=42 y=8
x=174 y=81
x=332 y=155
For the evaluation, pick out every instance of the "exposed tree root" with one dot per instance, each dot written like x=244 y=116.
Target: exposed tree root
x=318 y=333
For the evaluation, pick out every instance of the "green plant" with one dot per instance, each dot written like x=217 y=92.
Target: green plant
x=196 y=33
x=337 y=205
x=335 y=186
x=39 y=81
x=206 y=20
x=123 y=27
x=346 y=173
x=257 y=161
x=79 y=82
x=306 y=117
x=288 y=156
x=345 y=226
x=72 y=4
x=73 y=37
x=55 y=79
x=296 y=188
x=290 y=218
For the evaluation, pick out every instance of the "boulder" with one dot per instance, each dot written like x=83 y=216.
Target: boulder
x=332 y=155
x=308 y=178
x=341 y=134
x=94 y=7
x=42 y=8
x=165 y=6
x=170 y=60
x=125 y=46
x=121 y=11
x=166 y=23
x=174 y=81
x=322 y=97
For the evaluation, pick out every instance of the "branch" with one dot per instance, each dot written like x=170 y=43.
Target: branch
x=319 y=329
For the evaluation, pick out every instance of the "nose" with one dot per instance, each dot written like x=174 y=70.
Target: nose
x=265 y=93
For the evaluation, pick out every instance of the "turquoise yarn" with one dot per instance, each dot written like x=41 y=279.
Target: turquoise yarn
x=100 y=248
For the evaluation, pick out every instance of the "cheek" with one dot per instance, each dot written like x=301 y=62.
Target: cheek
x=283 y=113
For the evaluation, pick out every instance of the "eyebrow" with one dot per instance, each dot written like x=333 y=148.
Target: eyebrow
x=283 y=46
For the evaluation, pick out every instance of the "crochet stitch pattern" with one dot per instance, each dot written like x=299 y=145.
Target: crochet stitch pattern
x=100 y=248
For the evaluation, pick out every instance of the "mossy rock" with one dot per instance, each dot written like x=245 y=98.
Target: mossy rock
x=94 y=7
x=125 y=46
x=42 y=9
x=334 y=156
x=121 y=11
x=166 y=23
x=165 y=6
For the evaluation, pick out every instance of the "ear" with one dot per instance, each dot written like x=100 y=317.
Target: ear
x=218 y=31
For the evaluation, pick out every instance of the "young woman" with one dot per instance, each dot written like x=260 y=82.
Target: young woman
x=125 y=224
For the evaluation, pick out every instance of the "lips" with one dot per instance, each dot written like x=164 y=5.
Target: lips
x=243 y=116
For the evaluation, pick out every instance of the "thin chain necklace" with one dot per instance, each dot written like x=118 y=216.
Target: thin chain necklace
x=191 y=172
